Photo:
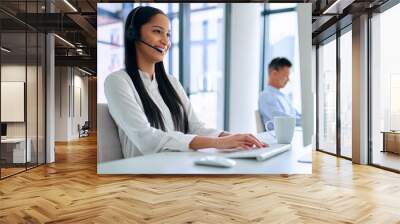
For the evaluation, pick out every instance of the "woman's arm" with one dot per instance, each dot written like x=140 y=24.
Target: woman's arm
x=131 y=119
x=196 y=126
x=244 y=141
x=210 y=137
x=201 y=142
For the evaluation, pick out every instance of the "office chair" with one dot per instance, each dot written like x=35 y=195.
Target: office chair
x=84 y=130
x=259 y=122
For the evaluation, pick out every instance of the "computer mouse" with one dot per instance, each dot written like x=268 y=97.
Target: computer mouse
x=215 y=161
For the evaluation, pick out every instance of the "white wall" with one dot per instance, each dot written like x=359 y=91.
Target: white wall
x=12 y=101
x=314 y=88
x=33 y=126
x=244 y=67
x=14 y=72
x=17 y=73
x=50 y=92
x=80 y=82
x=61 y=104
x=305 y=62
x=67 y=115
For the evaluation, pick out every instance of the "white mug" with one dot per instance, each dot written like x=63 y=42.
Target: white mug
x=284 y=129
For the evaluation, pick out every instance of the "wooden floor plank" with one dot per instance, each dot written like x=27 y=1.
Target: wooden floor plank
x=70 y=191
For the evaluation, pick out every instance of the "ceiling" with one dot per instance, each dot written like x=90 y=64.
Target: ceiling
x=76 y=23
x=331 y=15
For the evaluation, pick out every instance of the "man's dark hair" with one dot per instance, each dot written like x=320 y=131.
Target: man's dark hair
x=278 y=63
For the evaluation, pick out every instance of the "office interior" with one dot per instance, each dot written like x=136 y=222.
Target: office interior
x=221 y=102
x=50 y=69
x=48 y=81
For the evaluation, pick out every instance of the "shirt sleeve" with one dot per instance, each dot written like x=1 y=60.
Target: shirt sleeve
x=269 y=108
x=298 y=119
x=195 y=125
x=129 y=116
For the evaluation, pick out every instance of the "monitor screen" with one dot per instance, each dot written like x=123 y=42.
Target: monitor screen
x=3 y=129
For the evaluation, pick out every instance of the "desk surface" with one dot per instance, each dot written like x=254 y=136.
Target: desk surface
x=183 y=163
x=391 y=132
x=13 y=140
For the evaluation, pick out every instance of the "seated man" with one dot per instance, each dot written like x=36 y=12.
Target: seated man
x=272 y=101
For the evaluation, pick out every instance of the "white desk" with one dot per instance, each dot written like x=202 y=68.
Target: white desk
x=18 y=153
x=183 y=163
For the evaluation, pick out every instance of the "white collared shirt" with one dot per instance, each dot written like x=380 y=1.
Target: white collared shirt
x=136 y=135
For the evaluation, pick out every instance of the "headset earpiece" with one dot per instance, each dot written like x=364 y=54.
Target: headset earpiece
x=131 y=33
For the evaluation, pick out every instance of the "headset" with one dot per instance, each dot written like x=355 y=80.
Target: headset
x=131 y=33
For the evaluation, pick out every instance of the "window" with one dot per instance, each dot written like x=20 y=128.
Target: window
x=22 y=76
x=280 y=42
x=276 y=6
x=385 y=86
x=327 y=97
x=206 y=90
x=206 y=65
x=110 y=39
x=346 y=94
x=335 y=73
x=171 y=61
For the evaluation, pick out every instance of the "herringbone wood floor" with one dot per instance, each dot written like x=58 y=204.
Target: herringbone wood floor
x=70 y=191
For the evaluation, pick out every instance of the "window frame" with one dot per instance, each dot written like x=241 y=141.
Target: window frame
x=265 y=13
x=42 y=38
x=334 y=37
x=185 y=47
x=379 y=10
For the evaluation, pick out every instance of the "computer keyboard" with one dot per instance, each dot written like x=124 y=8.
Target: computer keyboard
x=262 y=153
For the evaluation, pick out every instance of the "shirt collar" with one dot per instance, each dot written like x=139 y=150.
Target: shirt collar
x=146 y=80
x=273 y=89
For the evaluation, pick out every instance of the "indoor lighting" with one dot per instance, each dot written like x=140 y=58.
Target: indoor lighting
x=5 y=50
x=331 y=7
x=80 y=51
x=86 y=72
x=64 y=40
x=70 y=5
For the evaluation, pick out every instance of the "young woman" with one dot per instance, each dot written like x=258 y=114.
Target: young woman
x=151 y=108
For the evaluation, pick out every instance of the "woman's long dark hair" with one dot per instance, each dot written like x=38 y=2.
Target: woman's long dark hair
x=167 y=91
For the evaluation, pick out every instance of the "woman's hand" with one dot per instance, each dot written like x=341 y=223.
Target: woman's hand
x=243 y=141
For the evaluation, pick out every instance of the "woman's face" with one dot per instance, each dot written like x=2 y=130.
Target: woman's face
x=156 y=33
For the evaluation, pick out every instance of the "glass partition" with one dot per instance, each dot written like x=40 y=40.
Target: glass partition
x=41 y=97
x=22 y=88
x=385 y=89
x=31 y=99
x=327 y=97
x=346 y=94
x=14 y=154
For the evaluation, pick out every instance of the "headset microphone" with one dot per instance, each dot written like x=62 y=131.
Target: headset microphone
x=131 y=33
x=151 y=46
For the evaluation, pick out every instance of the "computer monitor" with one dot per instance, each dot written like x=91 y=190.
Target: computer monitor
x=306 y=71
x=3 y=129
